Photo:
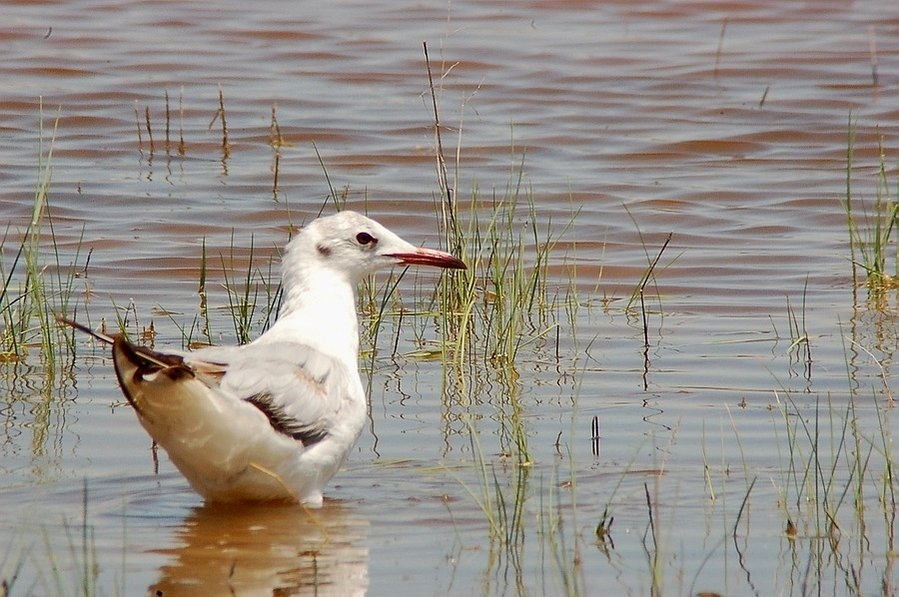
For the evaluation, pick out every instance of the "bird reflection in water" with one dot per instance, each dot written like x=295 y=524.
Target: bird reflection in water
x=267 y=550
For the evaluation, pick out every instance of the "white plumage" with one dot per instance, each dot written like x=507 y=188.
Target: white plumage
x=273 y=419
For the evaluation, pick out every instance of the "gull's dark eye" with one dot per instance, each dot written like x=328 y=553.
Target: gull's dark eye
x=364 y=238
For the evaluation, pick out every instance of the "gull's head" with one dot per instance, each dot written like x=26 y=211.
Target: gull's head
x=352 y=245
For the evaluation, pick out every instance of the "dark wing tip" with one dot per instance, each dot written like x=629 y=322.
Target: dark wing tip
x=134 y=363
x=83 y=328
x=144 y=359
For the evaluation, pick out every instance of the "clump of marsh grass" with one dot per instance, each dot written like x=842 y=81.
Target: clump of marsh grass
x=872 y=229
x=144 y=124
x=277 y=142
x=503 y=302
x=487 y=314
x=639 y=296
x=33 y=291
x=250 y=296
x=252 y=299
x=511 y=304
x=799 y=349
x=503 y=299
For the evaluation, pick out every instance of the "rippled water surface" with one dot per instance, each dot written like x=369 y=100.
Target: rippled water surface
x=725 y=125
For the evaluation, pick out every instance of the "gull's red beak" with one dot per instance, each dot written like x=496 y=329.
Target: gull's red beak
x=429 y=257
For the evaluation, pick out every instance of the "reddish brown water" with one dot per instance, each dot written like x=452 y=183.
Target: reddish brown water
x=723 y=124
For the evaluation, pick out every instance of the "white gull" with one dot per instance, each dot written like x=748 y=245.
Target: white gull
x=273 y=419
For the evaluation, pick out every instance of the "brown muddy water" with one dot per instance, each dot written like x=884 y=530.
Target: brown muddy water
x=724 y=124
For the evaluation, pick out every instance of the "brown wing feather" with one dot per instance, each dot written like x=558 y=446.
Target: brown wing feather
x=284 y=423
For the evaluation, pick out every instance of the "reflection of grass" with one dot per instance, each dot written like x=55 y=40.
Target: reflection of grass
x=834 y=471
x=67 y=567
x=502 y=510
x=83 y=556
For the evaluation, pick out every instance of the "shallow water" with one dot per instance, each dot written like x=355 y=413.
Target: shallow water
x=723 y=124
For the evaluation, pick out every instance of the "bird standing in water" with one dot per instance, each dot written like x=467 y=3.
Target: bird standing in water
x=273 y=419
